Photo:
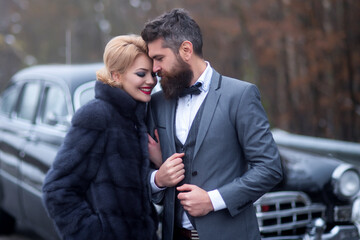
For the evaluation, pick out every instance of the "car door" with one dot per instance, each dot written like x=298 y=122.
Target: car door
x=16 y=125
x=51 y=124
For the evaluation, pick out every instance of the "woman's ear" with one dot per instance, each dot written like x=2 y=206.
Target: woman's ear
x=186 y=50
x=115 y=75
x=117 y=78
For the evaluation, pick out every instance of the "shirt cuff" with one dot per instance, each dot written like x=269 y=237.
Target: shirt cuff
x=154 y=187
x=216 y=200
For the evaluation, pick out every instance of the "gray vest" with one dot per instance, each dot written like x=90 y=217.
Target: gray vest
x=188 y=148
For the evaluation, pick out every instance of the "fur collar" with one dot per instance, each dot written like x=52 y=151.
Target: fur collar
x=120 y=100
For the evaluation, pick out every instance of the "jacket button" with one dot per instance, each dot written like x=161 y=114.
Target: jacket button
x=194 y=173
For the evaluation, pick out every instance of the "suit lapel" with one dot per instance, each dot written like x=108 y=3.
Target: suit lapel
x=209 y=110
x=170 y=109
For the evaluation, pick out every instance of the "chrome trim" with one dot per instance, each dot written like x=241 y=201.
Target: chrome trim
x=355 y=212
x=298 y=203
x=338 y=233
x=336 y=176
x=24 y=186
x=289 y=214
x=339 y=171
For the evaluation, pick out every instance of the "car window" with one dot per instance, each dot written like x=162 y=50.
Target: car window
x=8 y=100
x=86 y=96
x=83 y=94
x=29 y=101
x=55 y=109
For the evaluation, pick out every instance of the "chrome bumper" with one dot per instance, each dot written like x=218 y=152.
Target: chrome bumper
x=343 y=232
x=337 y=233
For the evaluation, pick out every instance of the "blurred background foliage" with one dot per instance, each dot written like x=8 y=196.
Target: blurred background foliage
x=303 y=55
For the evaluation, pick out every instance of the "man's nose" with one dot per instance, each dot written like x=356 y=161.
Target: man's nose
x=156 y=68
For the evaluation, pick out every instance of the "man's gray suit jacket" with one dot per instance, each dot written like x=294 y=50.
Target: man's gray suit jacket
x=234 y=153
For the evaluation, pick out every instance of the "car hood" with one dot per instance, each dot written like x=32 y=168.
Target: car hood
x=305 y=171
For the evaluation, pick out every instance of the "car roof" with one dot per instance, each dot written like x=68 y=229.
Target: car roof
x=72 y=75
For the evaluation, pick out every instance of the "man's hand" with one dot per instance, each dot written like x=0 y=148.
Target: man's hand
x=155 y=150
x=195 y=200
x=171 y=171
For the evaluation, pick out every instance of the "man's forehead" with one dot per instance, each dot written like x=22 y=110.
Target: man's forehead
x=156 y=44
x=156 y=47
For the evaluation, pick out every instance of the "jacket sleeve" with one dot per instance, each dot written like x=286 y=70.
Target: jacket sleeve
x=66 y=184
x=151 y=126
x=260 y=151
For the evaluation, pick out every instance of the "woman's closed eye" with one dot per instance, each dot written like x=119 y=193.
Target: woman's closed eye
x=140 y=74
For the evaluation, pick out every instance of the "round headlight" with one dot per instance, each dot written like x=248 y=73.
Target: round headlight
x=346 y=181
x=349 y=183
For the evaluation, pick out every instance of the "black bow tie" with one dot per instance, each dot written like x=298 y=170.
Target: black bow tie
x=193 y=90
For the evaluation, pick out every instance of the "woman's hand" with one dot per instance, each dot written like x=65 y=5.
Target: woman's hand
x=155 y=150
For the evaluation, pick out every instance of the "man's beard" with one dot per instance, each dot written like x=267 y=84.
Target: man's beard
x=174 y=82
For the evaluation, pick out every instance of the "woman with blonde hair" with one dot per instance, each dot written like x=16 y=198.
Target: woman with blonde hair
x=96 y=187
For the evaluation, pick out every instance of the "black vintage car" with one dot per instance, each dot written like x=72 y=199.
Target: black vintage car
x=35 y=113
x=316 y=200
x=319 y=195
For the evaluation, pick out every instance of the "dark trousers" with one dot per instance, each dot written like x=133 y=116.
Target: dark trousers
x=180 y=237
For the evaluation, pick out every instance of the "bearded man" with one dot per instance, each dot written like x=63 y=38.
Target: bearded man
x=217 y=155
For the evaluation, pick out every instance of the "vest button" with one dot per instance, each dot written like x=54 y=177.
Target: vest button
x=194 y=173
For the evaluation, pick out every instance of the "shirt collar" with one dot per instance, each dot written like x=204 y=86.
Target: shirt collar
x=205 y=78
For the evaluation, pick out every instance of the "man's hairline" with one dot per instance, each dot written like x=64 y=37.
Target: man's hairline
x=163 y=44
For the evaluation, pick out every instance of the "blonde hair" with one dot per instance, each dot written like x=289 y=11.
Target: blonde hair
x=119 y=54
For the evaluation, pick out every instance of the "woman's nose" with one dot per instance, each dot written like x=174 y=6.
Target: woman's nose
x=151 y=80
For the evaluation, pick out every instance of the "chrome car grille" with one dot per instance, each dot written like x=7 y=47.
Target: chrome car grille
x=286 y=213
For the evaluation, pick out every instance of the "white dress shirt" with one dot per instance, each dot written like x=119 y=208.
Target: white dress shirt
x=186 y=110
